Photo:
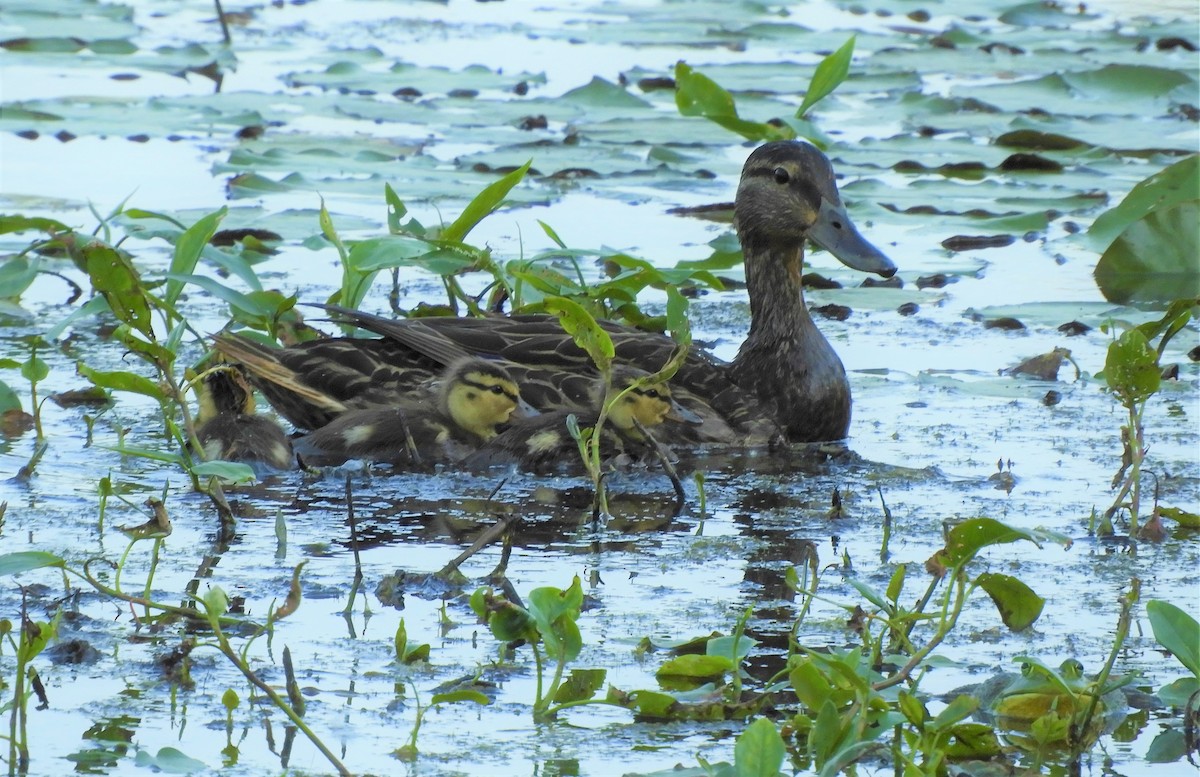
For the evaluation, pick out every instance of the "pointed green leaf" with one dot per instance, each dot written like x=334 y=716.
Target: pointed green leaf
x=27 y=560
x=831 y=72
x=484 y=203
x=1176 y=631
x=189 y=248
x=759 y=751
x=1018 y=605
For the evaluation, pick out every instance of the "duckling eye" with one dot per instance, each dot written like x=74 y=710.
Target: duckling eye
x=781 y=175
x=497 y=390
x=653 y=394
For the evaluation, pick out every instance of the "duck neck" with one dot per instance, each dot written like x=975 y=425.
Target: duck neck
x=786 y=363
x=773 y=281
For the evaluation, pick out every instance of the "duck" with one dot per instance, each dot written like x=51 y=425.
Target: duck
x=228 y=427
x=543 y=444
x=464 y=409
x=785 y=384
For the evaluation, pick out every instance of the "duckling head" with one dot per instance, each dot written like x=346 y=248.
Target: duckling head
x=788 y=194
x=648 y=404
x=224 y=390
x=479 y=395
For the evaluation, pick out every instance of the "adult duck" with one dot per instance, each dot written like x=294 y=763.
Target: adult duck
x=786 y=381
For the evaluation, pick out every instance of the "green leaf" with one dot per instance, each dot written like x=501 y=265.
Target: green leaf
x=1175 y=184
x=725 y=646
x=698 y=95
x=759 y=751
x=35 y=370
x=955 y=712
x=16 y=275
x=216 y=602
x=1177 y=693
x=1131 y=368
x=1019 y=606
x=464 y=694
x=507 y=621
x=555 y=612
x=188 y=249
x=28 y=560
x=831 y=72
x=966 y=539
x=896 y=584
x=580 y=685
x=396 y=209
x=583 y=329
x=1168 y=747
x=228 y=471
x=114 y=276
x=486 y=202
x=1155 y=257
x=695 y=667
x=122 y=381
x=9 y=400
x=1177 y=632
x=869 y=593
x=170 y=760
x=17 y=223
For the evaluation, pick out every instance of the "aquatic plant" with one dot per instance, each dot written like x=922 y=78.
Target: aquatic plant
x=1133 y=373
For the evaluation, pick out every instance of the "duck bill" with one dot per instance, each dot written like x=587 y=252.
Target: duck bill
x=681 y=414
x=836 y=233
x=523 y=410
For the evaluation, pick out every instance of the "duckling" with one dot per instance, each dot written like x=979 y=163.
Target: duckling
x=543 y=444
x=786 y=381
x=453 y=417
x=227 y=426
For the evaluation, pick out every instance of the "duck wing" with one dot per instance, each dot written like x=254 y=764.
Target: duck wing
x=312 y=383
x=554 y=373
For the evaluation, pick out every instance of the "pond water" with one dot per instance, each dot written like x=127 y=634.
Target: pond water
x=933 y=413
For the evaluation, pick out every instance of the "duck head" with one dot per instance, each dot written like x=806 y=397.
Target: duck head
x=224 y=390
x=788 y=194
x=648 y=404
x=480 y=395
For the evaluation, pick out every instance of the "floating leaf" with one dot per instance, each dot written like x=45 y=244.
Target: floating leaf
x=1175 y=184
x=580 y=685
x=28 y=560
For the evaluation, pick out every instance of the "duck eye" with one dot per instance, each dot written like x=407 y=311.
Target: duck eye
x=653 y=394
x=497 y=390
x=781 y=175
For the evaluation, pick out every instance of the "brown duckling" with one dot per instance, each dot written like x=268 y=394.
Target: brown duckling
x=543 y=444
x=439 y=424
x=228 y=428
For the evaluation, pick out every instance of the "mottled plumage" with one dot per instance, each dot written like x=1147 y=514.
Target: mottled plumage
x=786 y=382
x=228 y=428
x=544 y=444
x=468 y=403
